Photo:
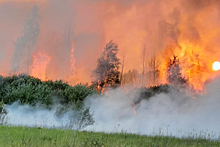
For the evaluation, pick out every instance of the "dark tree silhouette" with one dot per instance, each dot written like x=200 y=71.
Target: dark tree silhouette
x=174 y=72
x=107 y=72
x=153 y=72
x=24 y=46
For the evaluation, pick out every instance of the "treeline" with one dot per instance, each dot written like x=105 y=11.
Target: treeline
x=32 y=91
x=107 y=75
x=27 y=90
x=109 y=71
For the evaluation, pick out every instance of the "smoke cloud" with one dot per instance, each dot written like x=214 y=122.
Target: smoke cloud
x=168 y=114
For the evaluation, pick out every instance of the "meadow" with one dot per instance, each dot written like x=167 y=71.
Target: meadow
x=41 y=137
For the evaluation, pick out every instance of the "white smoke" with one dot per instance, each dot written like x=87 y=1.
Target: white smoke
x=172 y=114
x=26 y=115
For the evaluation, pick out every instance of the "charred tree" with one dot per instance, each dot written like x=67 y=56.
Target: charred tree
x=122 y=69
x=67 y=51
x=174 y=73
x=24 y=46
x=143 y=66
x=153 y=70
x=107 y=72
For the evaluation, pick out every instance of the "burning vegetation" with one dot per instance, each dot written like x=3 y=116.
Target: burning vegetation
x=154 y=42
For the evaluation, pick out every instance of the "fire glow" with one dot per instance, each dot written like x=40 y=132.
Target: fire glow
x=39 y=65
x=182 y=28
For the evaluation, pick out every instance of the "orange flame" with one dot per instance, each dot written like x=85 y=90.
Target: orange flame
x=72 y=78
x=196 y=67
x=72 y=59
x=40 y=62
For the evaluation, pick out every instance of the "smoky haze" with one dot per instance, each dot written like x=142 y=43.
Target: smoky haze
x=86 y=26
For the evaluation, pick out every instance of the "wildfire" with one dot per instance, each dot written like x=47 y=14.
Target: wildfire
x=195 y=66
x=166 y=28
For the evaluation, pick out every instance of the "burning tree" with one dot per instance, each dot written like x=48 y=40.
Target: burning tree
x=153 y=72
x=107 y=72
x=24 y=46
x=143 y=66
x=130 y=78
x=174 y=74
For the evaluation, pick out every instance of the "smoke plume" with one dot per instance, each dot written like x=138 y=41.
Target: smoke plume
x=171 y=114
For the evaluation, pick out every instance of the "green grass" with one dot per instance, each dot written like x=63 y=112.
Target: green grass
x=38 y=137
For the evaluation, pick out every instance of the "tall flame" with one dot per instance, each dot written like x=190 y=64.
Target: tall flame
x=40 y=62
x=196 y=67
x=72 y=77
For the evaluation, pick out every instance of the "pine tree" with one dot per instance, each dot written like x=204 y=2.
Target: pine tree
x=107 y=72
x=174 y=72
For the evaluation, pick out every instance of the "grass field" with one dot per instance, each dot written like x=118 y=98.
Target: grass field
x=39 y=137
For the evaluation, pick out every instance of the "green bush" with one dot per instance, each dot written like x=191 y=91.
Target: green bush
x=75 y=94
x=3 y=114
x=78 y=119
x=147 y=93
x=32 y=91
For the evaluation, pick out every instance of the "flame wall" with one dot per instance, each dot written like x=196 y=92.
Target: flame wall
x=187 y=28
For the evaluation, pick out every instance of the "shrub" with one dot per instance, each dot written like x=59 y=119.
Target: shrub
x=3 y=114
x=75 y=94
x=79 y=119
x=30 y=90
x=33 y=91
x=147 y=93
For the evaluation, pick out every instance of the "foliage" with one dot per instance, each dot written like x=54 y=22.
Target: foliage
x=30 y=90
x=147 y=93
x=36 y=137
x=3 y=114
x=79 y=119
x=107 y=72
x=84 y=119
x=174 y=73
x=26 y=90
x=75 y=94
